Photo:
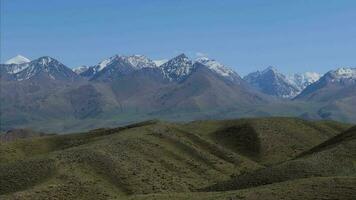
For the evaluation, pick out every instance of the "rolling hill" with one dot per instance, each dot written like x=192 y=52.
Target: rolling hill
x=160 y=160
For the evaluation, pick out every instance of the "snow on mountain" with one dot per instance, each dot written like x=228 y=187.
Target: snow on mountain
x=271 y=82
x=216 y=66
x=80 y=69
x=46 y=67
x=301 y=81
x=344 y=73
x=105 y=63
x=333 y=85
x=19 y=59
x=15 y=68
x=177 y=68
x=136 y=61
x=120 y=64
x=160 y=62
x=139 y=61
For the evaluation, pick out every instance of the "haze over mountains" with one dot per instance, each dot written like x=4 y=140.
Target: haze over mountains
x=47 y=95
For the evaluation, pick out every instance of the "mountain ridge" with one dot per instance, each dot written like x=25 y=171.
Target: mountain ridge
x=130 y=88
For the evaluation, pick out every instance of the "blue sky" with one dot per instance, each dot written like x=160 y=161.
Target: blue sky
x=294 y=35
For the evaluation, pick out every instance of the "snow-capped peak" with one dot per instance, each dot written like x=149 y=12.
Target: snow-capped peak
x=345 y=72
x=139 y=61
x=80 y=69
x=178 y=67
x=312 y=76
x=272 y=82
x=19 y=59
x=215 y=66
x=160 y=62
x=45 y=60
x=270 y=68
x=301 y=81
x=136 y=61
x=106 y=62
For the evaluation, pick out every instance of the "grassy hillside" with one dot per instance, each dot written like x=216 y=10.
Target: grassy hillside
x=334 y=157
x=155 y=160
x=320 y=188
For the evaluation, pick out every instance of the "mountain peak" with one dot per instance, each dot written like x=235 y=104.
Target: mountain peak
x=19 y=59
x=46 y=61
x=106 y=62
x=270 y=68
x=345 y=72
x=302 y=80
x=271 y=82
x=160 y=62
x=139 y=61
x=178 y=67
x=182 y=55
x=203 y=59
x=217 y=67
x=80 y=69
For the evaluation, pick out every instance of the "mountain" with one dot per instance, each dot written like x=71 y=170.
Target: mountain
x=14 y=68
x=334 y=93
x=270 y=158
x=271 y=82
x=160 y=62
x=204 y=90
x=335 y=84
x=117 y=65
x=46 y=95
x=44 y=67
x=19 y=59
x=80 y=69
x=177 y=68
x=301 y=81
x=121 y=86
x=219 y=68
x=47 y=68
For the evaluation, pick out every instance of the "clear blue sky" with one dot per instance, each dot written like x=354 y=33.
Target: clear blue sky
x=293 y=35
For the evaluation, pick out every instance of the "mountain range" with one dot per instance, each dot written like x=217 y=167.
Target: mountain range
x=44 y=94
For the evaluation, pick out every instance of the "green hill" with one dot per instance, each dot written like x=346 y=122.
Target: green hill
x=334 y=157
x=156 y=160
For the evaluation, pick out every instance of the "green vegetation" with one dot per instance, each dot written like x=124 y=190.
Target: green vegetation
x=230 y=159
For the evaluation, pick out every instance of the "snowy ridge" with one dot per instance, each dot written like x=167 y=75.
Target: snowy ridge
x=16 y=68
x=344 y=72
x=105 y=63
x=271 y=82
x=19 y=59
x=216 y=66
x=139 y=61
x=301 y=81
x=16 y=64
x=46 y=66
x=80 y=69
x=160 y=62
x=177 y=68
x=136 y=61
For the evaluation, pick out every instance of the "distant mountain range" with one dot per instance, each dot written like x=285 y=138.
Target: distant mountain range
x=47 y=95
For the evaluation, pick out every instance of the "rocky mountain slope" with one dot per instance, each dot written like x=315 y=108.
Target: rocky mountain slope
x=271 y=82
x=45 y=94
x=124 y=87
x=335 y=92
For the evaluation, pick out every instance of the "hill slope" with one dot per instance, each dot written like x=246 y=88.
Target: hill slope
x=138 y=160
x=334 y=157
